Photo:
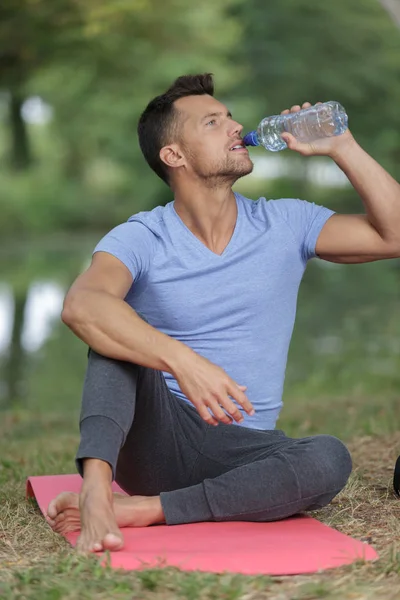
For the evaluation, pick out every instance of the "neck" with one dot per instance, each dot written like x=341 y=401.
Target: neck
x=210 y=214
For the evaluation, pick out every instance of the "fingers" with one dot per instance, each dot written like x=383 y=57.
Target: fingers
x=217 y=407
x=223 y=409
x=213 y=393
x=297 y=107
x=241 y=398
x=218 y=412
x=206 y=415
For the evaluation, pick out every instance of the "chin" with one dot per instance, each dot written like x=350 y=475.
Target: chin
x=230 y=171
x=239 y=170
x=245 y=170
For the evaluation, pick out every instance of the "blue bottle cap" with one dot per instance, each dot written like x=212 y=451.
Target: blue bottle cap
x=250 y=139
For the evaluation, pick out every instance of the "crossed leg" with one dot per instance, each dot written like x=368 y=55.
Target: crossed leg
x=177 y=469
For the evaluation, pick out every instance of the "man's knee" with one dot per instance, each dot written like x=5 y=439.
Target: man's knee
x=333 y=462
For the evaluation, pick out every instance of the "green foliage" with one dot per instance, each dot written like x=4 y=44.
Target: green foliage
x=303 y=50
x=97 y=64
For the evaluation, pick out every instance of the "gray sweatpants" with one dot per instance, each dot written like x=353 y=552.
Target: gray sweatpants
x=157 y=444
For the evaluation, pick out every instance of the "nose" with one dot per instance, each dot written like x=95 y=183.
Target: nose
x=235 y=128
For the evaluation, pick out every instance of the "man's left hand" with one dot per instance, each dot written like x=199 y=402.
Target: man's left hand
x=327 y=146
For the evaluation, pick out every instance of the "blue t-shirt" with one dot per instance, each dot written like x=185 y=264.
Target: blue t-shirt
x=236 y=309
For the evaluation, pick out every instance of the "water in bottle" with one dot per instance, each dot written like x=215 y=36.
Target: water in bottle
x=309 y=124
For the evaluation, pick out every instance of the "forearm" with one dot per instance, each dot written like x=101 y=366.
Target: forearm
x=378 y=190
x=112 y=328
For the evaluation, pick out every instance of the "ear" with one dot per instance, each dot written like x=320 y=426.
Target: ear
x=172 y=156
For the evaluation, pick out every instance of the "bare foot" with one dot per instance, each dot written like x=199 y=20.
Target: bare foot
x=101 y=520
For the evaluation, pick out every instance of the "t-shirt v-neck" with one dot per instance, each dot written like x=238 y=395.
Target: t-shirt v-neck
x=199 y=244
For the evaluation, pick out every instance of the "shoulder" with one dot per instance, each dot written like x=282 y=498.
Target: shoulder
x=282 y=209
x=152 y=220
x=268 y=210
x=135 y=242
x=141 y=232
x=145 y=227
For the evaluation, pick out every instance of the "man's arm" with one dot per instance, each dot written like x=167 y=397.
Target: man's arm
x=356 y=238
x=96 y=312
x=369 y=237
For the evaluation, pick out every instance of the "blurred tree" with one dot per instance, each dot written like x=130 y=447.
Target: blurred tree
x=303 y=50
x=97 y=64
x=33 y=34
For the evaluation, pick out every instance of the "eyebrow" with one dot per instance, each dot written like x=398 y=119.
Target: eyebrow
x=217 y=114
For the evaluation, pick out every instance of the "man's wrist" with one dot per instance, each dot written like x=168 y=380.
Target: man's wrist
x=343 y=151
x=179 y=358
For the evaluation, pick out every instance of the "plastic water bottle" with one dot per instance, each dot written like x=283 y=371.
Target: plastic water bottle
x=309 y=124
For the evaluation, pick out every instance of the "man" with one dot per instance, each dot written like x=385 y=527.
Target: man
x=188 y=311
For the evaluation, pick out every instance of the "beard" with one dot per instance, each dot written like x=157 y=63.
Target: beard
x=227 y=170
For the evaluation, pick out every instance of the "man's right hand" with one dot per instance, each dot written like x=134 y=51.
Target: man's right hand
x=209 y=388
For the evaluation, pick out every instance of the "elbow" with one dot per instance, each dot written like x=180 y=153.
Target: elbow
x=394 y=249
x=66 y=316
x=71 y=310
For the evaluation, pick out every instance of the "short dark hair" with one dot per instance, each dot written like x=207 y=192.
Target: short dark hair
x=159 y=123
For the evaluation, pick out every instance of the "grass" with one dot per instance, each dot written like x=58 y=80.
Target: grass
x=36 y=564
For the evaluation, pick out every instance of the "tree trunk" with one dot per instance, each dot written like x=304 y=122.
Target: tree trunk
x=73 y=164
x=21 y=157
x=15 y=364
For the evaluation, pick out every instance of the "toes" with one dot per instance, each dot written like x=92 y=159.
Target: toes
x=61 y=502
x=66 y=527
x=81 y=547
x=52 y=509
x=85 y=546
x=51 y=522
x=97 y=547
x=113 y=541
x=65 y=521
x=59 y=528
x=59 y=518
x=68 y=514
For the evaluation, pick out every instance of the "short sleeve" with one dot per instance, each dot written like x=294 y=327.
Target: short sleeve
x=133 y=244
x=305 y=219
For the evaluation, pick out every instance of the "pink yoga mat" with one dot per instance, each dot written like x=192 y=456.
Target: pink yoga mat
x=297 y=545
